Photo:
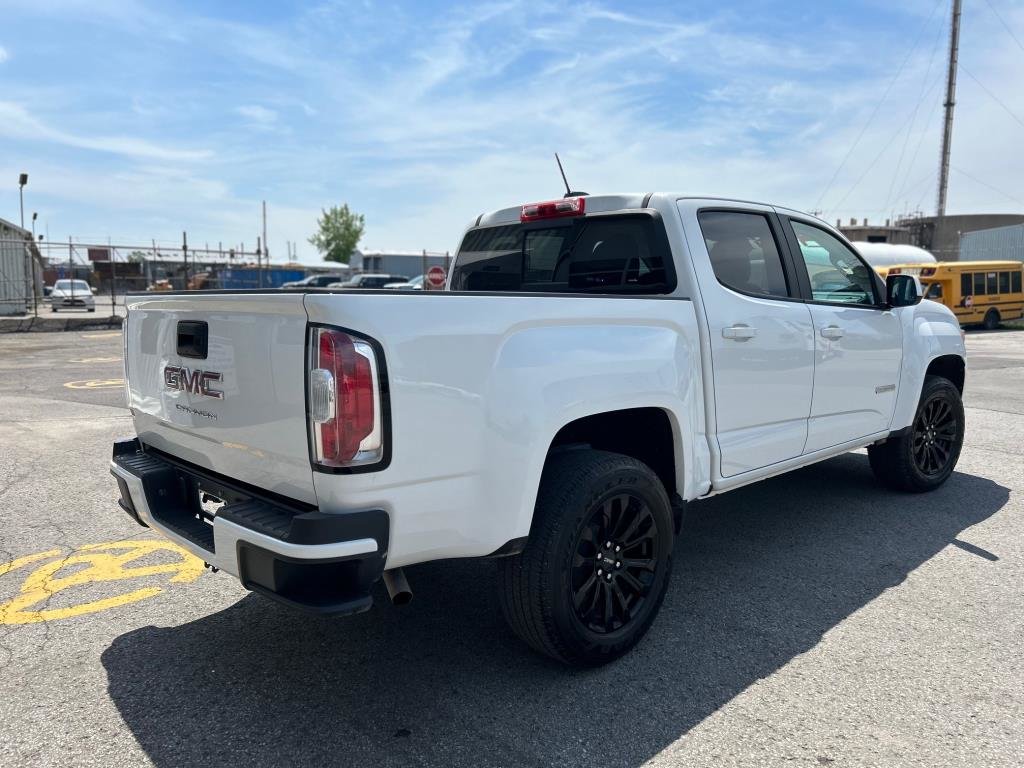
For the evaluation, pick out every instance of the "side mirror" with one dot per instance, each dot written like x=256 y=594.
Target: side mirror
x=903 y=290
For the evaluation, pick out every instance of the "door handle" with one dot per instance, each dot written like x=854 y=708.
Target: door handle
x=739 y=332
x=832 y=332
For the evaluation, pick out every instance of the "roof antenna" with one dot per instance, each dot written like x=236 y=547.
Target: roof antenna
x=568 y=189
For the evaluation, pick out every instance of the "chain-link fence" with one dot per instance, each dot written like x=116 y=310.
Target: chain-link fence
x=50 y=277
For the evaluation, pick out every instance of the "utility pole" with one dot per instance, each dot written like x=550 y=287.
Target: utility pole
x=184 y=255
x=22 y=181
x=947 y=132
x=113 y=279
x=71 y=268
x=266 y=248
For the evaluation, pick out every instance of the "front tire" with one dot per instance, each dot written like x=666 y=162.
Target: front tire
x=595 y=569
x=923 y=457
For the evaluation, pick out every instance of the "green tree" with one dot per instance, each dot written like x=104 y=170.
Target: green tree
x=339 y=231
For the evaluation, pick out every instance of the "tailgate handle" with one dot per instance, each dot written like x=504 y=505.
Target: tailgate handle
x=193 y=336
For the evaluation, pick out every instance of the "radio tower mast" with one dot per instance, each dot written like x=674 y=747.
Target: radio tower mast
x=947 y=131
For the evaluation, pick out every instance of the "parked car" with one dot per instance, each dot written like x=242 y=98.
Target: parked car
x=416 y=284
x=369 y=280
x=314 y=281
x=160 y=285
x=598 y=364
x=72 y=294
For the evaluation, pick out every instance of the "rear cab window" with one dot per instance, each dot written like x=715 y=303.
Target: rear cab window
x=624 y=253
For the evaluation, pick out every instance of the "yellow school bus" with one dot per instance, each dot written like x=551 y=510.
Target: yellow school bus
x=985 y=292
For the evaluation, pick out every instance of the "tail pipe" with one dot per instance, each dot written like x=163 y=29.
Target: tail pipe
x=398 y=587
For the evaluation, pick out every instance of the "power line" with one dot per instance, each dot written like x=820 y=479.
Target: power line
x=920 y=142
x=1005 y=25
x=878 y=106
x=872 y=164
x=995 y=98
x=913 y=119
x=1005 y=194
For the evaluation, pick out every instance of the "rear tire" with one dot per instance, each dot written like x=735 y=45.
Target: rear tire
x=992 y=320
x=595 y=569
x=923 y=457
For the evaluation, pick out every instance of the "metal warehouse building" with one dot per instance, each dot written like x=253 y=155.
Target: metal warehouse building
x=407 y=263
x=15 y=288
x=998 y=244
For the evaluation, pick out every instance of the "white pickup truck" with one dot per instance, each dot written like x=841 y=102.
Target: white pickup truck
x=596 y=363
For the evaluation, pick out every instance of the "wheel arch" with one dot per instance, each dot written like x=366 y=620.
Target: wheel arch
x=950 y=367
x=649 y=435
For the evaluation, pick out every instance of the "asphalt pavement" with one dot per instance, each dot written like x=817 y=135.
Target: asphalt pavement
x=813 y=619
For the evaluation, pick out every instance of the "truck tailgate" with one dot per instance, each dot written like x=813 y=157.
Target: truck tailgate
x=255 y=431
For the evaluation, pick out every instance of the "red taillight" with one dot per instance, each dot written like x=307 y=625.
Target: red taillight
x=554 y=209
x=344 y=400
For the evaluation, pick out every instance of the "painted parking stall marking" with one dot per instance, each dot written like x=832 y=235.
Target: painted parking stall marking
x=95 y=384
x=56 y=571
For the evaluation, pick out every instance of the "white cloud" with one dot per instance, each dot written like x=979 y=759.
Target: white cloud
x=17 y=123
x=257 y=114
x=422 y=123
x=4 y=55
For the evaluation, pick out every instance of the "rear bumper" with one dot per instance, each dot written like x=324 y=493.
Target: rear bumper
x=296 y=554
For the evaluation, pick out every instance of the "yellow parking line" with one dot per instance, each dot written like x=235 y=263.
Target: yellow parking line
x=96 y=360
x=95 y=384
x=101 y=335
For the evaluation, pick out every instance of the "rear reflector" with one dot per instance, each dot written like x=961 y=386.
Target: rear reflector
x=553 y=209
x=344 y=400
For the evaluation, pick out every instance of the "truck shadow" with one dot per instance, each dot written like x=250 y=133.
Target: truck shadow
x=761 y=574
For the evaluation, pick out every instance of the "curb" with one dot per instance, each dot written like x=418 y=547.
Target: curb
x=57 y=324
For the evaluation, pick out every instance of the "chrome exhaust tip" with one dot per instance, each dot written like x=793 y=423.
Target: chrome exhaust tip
x=398 y=587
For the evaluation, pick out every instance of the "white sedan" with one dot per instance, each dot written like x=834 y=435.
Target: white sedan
x=72 y=294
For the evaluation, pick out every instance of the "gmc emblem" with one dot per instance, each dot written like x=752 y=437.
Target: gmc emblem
x=197 y=382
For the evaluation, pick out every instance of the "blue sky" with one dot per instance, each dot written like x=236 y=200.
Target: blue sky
x=137 y=120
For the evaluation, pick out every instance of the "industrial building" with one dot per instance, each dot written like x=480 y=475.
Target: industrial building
x=939 y=235
x=407 y=263
x=16 y=251
x=997 y=244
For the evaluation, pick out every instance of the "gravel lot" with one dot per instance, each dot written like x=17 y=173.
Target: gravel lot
x=814 y=619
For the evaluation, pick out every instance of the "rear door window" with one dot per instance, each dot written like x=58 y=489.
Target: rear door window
x=604 y=254
x=1015 y=280
x=743 y=252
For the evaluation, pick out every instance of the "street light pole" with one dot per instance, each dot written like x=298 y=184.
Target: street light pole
x=22 y=181
x=35 y=286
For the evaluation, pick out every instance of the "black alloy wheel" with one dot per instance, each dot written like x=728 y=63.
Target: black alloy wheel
x=935 y=433
x=614 y=563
